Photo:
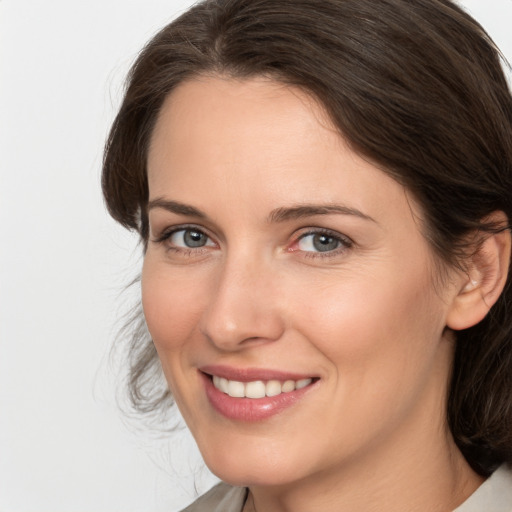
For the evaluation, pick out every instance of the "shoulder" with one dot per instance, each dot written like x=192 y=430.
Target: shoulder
x=221 y=498
x=494 y=495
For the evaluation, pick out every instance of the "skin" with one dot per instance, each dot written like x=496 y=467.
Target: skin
x=369 y=318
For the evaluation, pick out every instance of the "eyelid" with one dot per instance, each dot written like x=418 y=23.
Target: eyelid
x=167 y=232
x=345 y=242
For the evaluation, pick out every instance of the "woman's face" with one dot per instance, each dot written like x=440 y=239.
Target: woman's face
x=290 y=273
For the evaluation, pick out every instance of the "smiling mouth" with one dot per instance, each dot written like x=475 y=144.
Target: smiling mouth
x=258 y=388
x=254 y=394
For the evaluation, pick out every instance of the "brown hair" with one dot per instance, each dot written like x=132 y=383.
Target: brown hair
x=414 y=85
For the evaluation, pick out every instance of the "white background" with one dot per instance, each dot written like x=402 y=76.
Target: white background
x=64 y=446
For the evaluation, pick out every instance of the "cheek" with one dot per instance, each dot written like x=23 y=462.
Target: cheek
x=373 y=326
x=171 y=305
x=382 y=347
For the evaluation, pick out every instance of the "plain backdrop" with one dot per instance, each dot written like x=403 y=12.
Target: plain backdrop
x=64 y=445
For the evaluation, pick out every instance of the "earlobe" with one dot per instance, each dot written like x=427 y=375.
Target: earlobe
x=485 y=279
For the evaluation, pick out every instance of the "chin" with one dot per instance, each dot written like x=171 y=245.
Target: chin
x=257 y=461
x=259 y=475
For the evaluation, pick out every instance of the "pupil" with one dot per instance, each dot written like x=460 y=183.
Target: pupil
x=324 y=243
x=194 y=239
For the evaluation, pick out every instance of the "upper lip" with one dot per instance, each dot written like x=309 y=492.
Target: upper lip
x=252 y=374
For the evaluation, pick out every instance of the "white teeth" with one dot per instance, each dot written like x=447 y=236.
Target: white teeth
x=236 y=389
x=288 y=385
x=258 y=388
x=273 y=388
x=223 y=384
x=302 y=383
x=255 y=389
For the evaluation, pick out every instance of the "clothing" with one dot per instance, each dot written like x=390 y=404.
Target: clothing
x=494 y=495
x=221 y=498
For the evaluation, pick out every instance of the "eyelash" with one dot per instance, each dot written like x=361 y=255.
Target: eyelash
x=166 y=235
x=344 y=242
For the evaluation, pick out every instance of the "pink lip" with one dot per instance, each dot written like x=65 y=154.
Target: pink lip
x=251 y=409
x=251 y=374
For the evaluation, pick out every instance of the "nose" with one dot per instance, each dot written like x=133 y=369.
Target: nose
x=244 y=307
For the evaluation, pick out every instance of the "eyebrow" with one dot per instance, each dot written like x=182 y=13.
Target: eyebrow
x=176 y=207
x=282 y=214
x=309 y=210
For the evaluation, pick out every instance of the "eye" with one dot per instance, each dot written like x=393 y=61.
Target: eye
x=321 y=243
x=189 y=238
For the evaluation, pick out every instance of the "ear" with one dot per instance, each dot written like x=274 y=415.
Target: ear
x=487 y=272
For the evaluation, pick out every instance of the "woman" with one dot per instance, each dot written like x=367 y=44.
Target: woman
x=322 y=189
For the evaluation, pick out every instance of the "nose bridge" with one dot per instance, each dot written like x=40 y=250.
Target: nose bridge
x=244 y=306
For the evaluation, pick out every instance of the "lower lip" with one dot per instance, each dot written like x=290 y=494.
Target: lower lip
x=252 y=409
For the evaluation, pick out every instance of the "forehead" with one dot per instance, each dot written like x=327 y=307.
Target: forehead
x=260 y=143
x=240 y=114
